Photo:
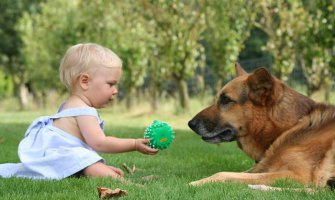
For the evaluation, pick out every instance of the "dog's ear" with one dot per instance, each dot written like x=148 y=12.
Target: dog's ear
x=261 y=85
x=239 y=70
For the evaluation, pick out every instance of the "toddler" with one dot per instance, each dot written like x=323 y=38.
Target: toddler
x=66 y=144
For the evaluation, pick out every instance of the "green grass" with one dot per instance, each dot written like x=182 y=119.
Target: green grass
x=188 y=159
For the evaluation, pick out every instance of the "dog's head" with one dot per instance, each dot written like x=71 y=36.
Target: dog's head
x=248 y=104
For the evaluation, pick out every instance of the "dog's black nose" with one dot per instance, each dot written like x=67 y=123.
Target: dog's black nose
x=192 y=124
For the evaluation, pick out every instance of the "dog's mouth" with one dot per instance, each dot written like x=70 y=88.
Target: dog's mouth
x=226 y=135
x=213 y=133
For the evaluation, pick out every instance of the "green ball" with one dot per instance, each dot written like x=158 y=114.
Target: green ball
x=160 y=134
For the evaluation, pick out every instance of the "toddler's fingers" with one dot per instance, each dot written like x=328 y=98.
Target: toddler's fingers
x=142 y=141
x=145 y=141
x=151 y=153
x=151 y=150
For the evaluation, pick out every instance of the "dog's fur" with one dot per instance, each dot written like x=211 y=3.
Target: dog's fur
x=286 y=133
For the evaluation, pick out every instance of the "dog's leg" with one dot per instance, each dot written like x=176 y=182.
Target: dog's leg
x=249 y=170
x=269 y=188
x=250 y=178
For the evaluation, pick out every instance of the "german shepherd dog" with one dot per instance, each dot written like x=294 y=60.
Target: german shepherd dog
x=287 y=134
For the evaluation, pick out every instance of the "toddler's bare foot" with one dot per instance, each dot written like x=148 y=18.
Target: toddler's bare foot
x=117 y=170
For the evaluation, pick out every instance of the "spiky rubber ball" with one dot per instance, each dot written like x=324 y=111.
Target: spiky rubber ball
x=160 y=134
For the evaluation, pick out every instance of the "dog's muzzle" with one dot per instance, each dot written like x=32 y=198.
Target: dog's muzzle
x=211 y=132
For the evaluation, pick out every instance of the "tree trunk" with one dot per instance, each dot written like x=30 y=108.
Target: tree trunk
x=201 y=87
x=154 y=87
x=154 y=99
x=130 y=98
x=183 y=94
x=327 y=96
x=44 y=100
x=218 y=86
x=23 y=96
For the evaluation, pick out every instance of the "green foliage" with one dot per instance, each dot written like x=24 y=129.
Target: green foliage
x=167 y=41
x=176 y=28
x=122 y=30
x=11 y=60
x=318 y=59
x=10 y=43
x=6 y=86
x=253 y=45
x=284 y=22
x=47 y=35
x=228 y=26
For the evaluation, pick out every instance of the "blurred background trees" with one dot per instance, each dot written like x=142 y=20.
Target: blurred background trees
x=12 y=62
x=170 y=48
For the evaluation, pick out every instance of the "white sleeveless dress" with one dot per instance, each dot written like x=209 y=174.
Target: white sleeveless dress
x=47 y=152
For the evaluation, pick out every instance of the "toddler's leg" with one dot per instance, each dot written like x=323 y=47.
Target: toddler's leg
x=99 y=169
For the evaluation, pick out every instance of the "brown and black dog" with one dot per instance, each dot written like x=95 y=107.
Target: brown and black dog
x=286 y=133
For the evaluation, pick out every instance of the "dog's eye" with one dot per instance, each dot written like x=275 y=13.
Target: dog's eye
x=224 y=100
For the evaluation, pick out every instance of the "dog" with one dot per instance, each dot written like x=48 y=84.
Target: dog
x=288 y=135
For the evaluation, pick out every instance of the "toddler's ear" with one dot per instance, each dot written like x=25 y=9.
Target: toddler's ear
x=83 y=81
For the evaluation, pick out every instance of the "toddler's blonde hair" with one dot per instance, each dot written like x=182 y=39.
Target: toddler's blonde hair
x=83 y=58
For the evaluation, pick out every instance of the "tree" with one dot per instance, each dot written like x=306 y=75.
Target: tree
x=11 y=58
x=284 y=21
x=46 y=36
x=317 y=46
x=178 y=25
x=6 y=86
x=228 y=25
x=61 y=24
x=121 y=28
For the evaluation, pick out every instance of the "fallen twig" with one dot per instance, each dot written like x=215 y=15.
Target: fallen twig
x=128 y=169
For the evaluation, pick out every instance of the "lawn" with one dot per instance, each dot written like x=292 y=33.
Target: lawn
x=188 y=159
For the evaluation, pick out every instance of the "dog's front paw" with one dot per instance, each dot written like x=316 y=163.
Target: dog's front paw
x=195 y=183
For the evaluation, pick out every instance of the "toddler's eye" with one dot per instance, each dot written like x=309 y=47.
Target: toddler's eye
x=111 y=84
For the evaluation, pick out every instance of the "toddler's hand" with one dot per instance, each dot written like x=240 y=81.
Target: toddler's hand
x=141 y=145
